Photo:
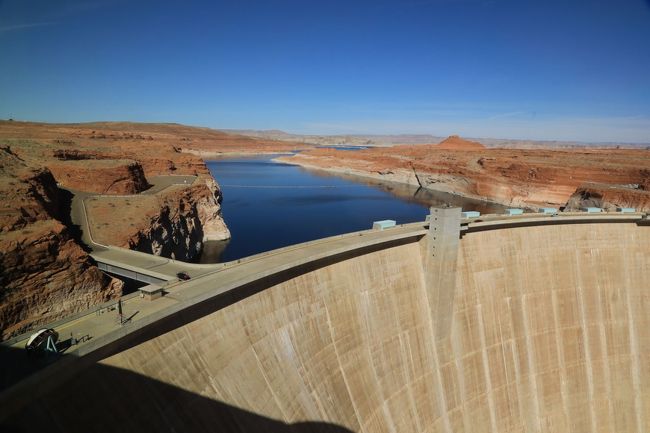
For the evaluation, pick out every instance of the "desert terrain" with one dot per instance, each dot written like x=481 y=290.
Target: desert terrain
x=531 y=178
x=121 y=169
x=387 y=140
x=146 y=187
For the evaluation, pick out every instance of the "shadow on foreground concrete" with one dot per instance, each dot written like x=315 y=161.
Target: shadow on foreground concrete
x=106 y=399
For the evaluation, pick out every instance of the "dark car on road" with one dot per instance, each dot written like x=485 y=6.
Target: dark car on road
x=184 y=276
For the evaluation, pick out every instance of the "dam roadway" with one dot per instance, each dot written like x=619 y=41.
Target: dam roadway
x=525 y=323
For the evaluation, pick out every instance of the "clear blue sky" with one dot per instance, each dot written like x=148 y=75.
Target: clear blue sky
x=547 y=69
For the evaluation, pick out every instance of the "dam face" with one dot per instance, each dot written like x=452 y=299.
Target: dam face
x=548 y=330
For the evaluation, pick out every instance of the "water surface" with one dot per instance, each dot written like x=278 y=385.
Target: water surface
x=269 y=205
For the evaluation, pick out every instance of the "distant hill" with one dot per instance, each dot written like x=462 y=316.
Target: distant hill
x=342 y=140
x=454 y=142
x=378 y=140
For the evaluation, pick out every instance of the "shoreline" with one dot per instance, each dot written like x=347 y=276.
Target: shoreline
x=382 y=179
x=212 y=156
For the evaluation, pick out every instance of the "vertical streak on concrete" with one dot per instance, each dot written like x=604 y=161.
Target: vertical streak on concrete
x=342 y=370
x=516 y=357
x=441 y=400
x=532 y=366
x=587 y=346
x=440 y=389
x=600 y=320
x=440 y=267
x=486 y=370
x=285 y=418
x=559 y=342
x=634 y=349
x=460 y=376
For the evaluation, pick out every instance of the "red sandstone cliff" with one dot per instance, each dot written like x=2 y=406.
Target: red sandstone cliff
x=514 y=177
x=110 y=176
x=609 y=197
x=186 y=218
x=45 y=272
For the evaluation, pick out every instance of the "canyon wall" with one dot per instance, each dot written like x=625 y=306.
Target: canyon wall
x=512 y=177
x=549 y=332
x=107 y=176
x=186 y=218
x=44 y=273
x=609 y=197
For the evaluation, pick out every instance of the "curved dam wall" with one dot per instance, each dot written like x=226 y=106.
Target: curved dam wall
x=546 y=330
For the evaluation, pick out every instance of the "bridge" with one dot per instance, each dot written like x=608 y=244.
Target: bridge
x=213 y=287
x=127 y=263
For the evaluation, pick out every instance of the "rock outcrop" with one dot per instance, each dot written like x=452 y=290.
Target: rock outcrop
x=512 y=177
x=187 y=218
x=208 y=208
x=454 y=142
x=46 y=276
x=609 y=197
x=44 y=273
x=109 y=176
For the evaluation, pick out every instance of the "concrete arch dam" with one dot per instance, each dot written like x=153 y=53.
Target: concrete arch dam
x=507 y=328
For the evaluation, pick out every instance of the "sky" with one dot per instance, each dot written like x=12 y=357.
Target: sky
x=548 y=69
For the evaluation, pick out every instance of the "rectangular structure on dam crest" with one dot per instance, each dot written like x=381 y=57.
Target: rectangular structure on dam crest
x=439 y=264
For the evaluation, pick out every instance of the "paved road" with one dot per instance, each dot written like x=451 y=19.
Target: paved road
x=159 y=183
x=157 y=266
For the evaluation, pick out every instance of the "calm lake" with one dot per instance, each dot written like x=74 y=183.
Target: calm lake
x=269 y=205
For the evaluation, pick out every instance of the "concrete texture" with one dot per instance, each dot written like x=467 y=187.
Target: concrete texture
x=548 y=331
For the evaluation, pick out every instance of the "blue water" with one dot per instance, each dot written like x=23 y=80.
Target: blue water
x=269 y=205
x=342 y=147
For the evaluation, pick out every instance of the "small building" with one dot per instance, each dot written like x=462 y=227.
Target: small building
x=151 y=292
x=514 y=211
x=548 y=210
x=382 y=225
x=592 y=209
x=625 y=209
x=471 y=214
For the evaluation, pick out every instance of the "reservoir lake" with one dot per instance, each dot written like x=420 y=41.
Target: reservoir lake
x=269 y=205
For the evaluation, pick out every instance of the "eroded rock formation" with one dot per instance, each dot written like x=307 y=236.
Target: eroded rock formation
x=187 y=218
x=109 y=176
x=44 y=274
x=609 y=197
x=513 y=177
